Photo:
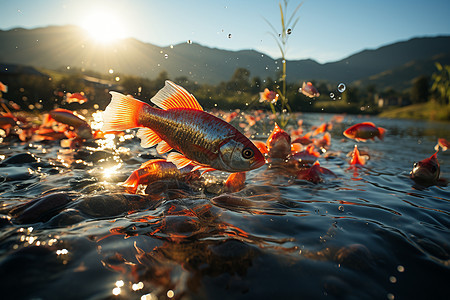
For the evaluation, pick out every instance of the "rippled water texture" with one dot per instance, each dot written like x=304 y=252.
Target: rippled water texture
x=369 y=233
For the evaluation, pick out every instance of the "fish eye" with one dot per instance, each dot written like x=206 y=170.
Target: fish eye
x=247 y=153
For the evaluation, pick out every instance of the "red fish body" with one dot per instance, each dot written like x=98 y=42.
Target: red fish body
x=278 y=143
x=426 y=171
x=200 y=138
x=314 y=174
x=3 y=87
x=157 y=169
x=364 y=131
x=235 y=182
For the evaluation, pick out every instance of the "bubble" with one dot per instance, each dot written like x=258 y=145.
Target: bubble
x=171 y=46
x=341 y=208
x=341 y=87
x=332 y=96
x=189 y=42
x=400 y=268
x=289 y=31
x=229 y=35
x=166 y=56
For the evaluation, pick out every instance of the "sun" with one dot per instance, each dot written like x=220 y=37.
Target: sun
x=103 y=26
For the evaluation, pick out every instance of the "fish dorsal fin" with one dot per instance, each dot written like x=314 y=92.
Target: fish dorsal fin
x=148 y=137
x=163 y=147
x=151 y=161
x=178 y=159
x=369 y=123
x=174 y=96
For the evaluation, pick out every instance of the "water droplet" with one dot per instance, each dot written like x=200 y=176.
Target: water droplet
x=341 y=87
x=300 y=90
x=166 y=56
x=332 y=95
x=283 y=61
x=229 y=35
x=393 y=279
x=400 y=268
x=189 y=42
x=289 y=31
x=341 y=208
x=171 y=46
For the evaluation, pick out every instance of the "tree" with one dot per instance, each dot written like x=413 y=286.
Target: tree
x=441 y=83
x=240 y=81
x=419 y=91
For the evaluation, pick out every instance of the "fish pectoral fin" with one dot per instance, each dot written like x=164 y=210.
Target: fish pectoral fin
x=163 y=147
x=178 y=159
x=148 y=137
x=202 y=168
x=174 y=96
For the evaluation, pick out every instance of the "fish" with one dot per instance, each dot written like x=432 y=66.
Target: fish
x=305 y=157
x=76 y=97
x=82 y=128
x=268 y=96
x=322 y=128
x=357 y=159
x=364 y=131
x=7 y=121
x=158 y=169
x=3 y=87
x=180 y=123
x=443 y=143
x=309 y=90
x=324 y=142
x=304 y=140
x=278 y=143
x=235 y=182
x=426 y=171
x=315 y=173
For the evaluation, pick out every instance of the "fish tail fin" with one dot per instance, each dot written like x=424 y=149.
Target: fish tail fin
x=381 y=132
x=122 y=113
x=132 y=182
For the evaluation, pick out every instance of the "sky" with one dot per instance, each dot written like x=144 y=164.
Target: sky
x=327 y=30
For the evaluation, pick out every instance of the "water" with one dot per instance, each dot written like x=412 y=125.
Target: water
x=369 y=233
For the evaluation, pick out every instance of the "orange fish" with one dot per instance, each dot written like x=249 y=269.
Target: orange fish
x=309 y=90
x=278 y=143
x=82 y=128
x=304 y=140
x=324 y=142
x=307 y=156
x=268 y=96
x=3 y=87
x=202 y=139
x=443 y=143
x=76 y=97
x=158 y=169
x=364 y=131
x=426 y=171
x=235 y=182
x=356 y=158
x=322 y=128
x=314 y=173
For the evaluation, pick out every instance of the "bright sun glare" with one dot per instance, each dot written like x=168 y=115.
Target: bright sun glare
x=103 y=26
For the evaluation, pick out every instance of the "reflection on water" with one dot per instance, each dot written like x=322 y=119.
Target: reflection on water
x=369 y=232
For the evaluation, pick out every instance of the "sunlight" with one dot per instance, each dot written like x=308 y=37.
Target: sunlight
x=104 y=26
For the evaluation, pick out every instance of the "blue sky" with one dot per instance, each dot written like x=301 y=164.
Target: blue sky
x=328 y=30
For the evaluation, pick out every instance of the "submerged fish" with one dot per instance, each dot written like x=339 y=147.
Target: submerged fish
x=309 y=90
x=315 y=173
x=364 y=131
x=201 y=138
x=426 y=171
x=157 y=169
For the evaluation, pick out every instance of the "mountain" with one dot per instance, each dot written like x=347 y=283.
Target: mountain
x=69 y=46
